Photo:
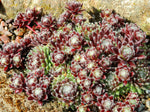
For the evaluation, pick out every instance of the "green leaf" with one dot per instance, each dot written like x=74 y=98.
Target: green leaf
x=133 y=89
x=117 y=92
x=139 y=90
x=46 y=61
x=43 y=65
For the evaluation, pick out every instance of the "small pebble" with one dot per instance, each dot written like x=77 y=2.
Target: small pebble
x=2 y=23
x=6 y=28
x=19 y=32
x=18 y=39
x=10 y=25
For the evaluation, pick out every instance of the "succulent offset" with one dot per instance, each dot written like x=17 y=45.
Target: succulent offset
x=85 y=66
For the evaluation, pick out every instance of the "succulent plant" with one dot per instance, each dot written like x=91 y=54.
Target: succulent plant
x=39 y=57
x=82 y=108
x=37 y=85
x=80 y=58
x=112 y=18
x=76 y=40
x=122 y=107
x=72 y=15
x=91 y=65
x=133 y=99
x=24 y=19
x=18 y=20
x=106 y=13
x=4 y=61
x=86 y=83
x=31 y=15
x=97 y=73
x=87 y=67
x=64 y=17
x=87 y=98
x=13 y=54
x=17 y=60
x=58 y=70
x=25 y=43
x=27 y=19
x=48 y=22
x=74 y=7
x=87 y=29
x=18 y=83
x=83 y=73
x=12 y=48
x=98 y=89
x=133 y=32
x=65 y=88
x=92 y=53
x=43 y=37
x=58 y=57
x=105 y=102
x=126 y=51
x=124 y=73
x=61 y=42
x=105 y=62
x=75 y=68
x=31 y=80
x=37 y=93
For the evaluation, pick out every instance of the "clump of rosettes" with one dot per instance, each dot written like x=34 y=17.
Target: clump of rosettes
x=88 y=67
x=65 y=89
x=37 y=85
x=126 y=51
x=13 y=54
x=72 y=15
x=112 y=18
x=68 y=43
x=18 y=83
x=39 y=57
x=133 y=32
x=25 y=19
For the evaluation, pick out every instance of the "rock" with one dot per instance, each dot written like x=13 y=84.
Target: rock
x=134 y=10
x=19 y=32
x=138 y=11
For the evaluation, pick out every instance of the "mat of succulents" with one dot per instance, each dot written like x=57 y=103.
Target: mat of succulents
x=100 y=66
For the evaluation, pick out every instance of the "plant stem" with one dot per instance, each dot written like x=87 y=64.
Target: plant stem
x=31 y=29
x=38 y=24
